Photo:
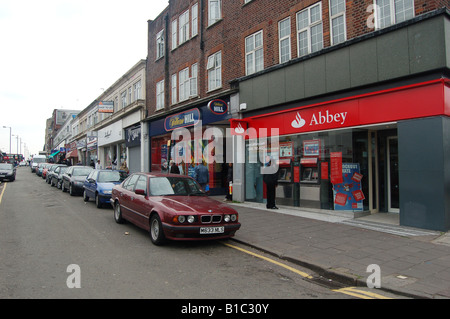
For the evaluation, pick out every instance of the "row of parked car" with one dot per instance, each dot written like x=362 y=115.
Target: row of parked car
x=82 y=180
x=168 y=206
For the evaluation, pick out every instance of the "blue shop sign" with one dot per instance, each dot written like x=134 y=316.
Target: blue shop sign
x=218 y=107
x=183 y=119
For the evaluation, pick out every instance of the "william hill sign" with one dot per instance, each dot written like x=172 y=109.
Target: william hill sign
x=183 y=119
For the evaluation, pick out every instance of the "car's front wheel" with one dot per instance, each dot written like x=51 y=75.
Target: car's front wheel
x=118 y=214
x=156 y=231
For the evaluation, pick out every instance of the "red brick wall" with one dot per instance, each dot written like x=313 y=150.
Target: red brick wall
x=228 y=35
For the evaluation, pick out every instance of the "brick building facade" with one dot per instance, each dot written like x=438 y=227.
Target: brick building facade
x=269 y=60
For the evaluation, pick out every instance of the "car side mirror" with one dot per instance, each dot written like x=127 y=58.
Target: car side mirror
x=140 y=192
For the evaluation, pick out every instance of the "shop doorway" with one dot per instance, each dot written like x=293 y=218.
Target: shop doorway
x=392 y=175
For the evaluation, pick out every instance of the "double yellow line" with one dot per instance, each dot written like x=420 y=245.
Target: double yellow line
x=3 y=190
x=351 y=291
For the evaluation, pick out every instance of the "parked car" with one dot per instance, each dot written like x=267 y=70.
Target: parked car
x=40 y=168
x=99 y=184
x=51 y=171
x=172 y=206
x=7 y=172
x=74 y=177
x=56 y=177
x=45 y=170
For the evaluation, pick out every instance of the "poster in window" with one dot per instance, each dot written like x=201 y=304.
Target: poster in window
x=348 y=194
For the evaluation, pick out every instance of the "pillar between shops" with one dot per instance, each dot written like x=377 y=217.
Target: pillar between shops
x=424 y=173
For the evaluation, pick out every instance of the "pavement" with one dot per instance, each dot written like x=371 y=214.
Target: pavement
x=412 y=262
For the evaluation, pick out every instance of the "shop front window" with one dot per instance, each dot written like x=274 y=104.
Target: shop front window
x=323 y=170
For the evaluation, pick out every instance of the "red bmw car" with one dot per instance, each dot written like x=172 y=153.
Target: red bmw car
x=172 y=206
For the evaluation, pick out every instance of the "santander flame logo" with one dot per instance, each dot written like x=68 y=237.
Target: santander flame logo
x=239 y=129
x=298 y=122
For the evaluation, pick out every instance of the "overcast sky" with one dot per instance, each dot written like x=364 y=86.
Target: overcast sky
x=62 y=54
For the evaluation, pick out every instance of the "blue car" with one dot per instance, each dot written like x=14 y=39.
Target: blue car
x=99 y=183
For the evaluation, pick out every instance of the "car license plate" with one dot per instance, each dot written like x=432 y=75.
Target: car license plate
x=212 y=230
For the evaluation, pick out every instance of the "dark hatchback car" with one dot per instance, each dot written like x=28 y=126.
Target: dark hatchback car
x=74 y=177
x=172 y=206
x=7 y=172
x=56 y=178
x=50 y=172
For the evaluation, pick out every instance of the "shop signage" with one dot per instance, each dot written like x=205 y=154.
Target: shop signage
x=218 y=107
x=106 y=107
x=372 y=108
x=183 y=119
x=238 y=127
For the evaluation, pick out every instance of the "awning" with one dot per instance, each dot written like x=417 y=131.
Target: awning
x=55 y=153
x=73 y=153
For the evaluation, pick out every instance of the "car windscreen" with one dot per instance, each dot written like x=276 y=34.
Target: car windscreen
x=111 y=177
x=81 y=171
x=39 y=160
x=162 y=186
x=6 y=166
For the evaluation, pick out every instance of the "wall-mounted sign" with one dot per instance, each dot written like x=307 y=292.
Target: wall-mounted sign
x=106 y=107
x=218 y=107
x=183 y=119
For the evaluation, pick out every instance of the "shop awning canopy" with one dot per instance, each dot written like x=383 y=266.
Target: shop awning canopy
x=55 y=153
x=73 y=153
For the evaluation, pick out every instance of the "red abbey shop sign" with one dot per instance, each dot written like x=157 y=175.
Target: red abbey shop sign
x=414 y=101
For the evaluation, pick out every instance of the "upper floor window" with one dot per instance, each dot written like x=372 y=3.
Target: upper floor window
x=214 y=11
x=174 y=33
x=137 y=90
x=184 y=27
x=214 y=68
x=309 y=30
x=194 y=19
x=183 y=78
x=284 y=34
x=389 y=12
x=174 y=88
x=160 y=95
x=160 y=44
x=337 y=21
x=123 y=96
x=254 y=53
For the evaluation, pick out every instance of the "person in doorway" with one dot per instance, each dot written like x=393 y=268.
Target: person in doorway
x=202 y=175
x=174 y=168
x=271 y=180
x=124 y=167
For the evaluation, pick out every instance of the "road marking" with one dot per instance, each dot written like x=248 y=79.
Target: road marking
x=3 y=190
x=301 y=273
x=352 y=291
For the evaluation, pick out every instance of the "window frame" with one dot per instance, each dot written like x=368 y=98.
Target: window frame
x=160 y=44
x=281 y=39
x=214 y=68
x=337 y=16
x=253 y=53
x=160 y=95
x=309 y=28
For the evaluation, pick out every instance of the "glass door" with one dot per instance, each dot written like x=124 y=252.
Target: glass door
x=393 y=178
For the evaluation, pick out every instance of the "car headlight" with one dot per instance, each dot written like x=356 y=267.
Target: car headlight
x=227 y=218
x=233 y=217
x=181 y=219
x=107 y=192
x=190 y=219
